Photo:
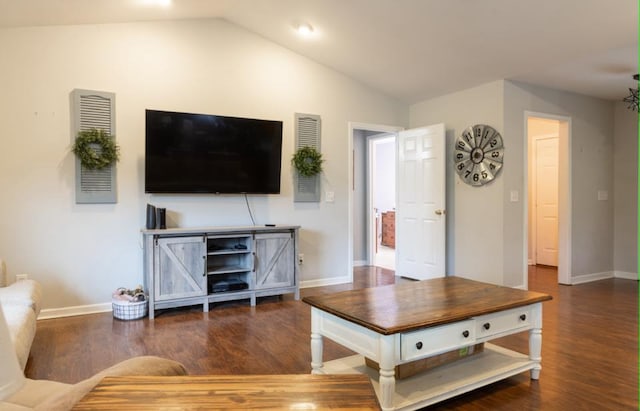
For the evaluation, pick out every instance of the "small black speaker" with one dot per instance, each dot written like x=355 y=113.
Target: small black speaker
x=151 y=217
x=161 y=218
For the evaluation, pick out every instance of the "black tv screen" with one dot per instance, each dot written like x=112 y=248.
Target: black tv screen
x=200 y=153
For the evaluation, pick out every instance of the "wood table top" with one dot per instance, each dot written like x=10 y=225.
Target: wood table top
x=232 y=392
x=410 y=306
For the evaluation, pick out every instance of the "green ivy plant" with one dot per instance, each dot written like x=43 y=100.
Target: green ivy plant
x=307 y=161
x=96 y=149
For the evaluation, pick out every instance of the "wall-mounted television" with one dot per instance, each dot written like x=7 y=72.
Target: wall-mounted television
x=201 y=153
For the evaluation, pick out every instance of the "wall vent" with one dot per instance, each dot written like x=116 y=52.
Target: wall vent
x=307 y=132
x=94 y=109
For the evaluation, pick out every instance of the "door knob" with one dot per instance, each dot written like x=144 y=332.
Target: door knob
x=440 y=212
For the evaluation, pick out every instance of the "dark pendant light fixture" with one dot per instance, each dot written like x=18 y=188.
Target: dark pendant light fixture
x=632 y=98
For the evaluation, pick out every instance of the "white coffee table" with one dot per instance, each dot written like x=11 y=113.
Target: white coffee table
x=397 y=324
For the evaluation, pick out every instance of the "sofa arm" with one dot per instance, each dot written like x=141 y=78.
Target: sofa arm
x=147 y=365
x=25 y=292
x=3 y=273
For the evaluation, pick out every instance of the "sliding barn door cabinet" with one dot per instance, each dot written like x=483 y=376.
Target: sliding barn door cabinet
x=211 y=264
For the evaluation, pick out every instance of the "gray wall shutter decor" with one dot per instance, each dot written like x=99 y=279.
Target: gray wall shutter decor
x=307 y=131
x=94 y=109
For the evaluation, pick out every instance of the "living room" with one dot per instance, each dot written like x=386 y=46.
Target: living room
x=80 y=253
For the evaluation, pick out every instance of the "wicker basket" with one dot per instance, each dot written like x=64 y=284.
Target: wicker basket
x=125 y=310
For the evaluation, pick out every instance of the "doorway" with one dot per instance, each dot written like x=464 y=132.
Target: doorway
x=548 y=192
x=543 y=191
x=381 y=187
x=361 y=231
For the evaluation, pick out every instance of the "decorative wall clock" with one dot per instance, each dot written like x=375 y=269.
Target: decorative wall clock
x=478 y=154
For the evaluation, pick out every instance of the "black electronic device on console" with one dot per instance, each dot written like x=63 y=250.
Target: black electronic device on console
x=229 y=284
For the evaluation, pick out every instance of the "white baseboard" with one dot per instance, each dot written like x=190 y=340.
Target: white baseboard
x=325 y=281
x=73 y=311
x=625 y=275
x=360 y=263
x=49 y=313
x=587 y=278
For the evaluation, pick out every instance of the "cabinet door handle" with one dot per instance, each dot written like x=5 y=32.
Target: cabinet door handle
x=523 y=317
x=465 y=334
x=486 y=326
x=204 y=257
x=419 y=345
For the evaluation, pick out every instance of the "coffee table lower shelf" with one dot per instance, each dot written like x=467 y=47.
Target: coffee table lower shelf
x=493 y=364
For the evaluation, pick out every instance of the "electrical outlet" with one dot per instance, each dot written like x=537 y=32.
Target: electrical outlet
x=603 y=195
x=21 y=277
x=300 y=258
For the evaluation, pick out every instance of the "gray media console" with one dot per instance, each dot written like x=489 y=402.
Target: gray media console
x=189 y=266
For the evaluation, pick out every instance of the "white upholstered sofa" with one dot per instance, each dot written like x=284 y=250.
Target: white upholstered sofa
x=21 y=302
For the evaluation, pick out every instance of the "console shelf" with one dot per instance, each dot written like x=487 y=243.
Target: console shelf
x=226 y=269
x=228 y=252
x=212 y=264
x=442 y=382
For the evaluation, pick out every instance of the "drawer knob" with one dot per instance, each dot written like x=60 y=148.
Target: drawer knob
x=465 y=334
x=523 y=317
x=419 y=345
x=487 y=326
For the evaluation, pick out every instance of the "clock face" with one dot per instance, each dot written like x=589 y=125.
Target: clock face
x=478 y=154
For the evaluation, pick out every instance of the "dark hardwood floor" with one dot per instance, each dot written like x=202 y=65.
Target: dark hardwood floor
x=589 y=349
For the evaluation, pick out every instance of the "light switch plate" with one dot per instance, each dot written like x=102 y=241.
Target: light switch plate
x=603 y=195
x=329 y=196
x=514 y=196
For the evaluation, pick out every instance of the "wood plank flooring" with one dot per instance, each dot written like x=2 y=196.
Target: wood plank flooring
x=589 y=349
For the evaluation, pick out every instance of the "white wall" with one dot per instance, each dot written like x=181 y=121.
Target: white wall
x=81 y=253
x=485 y=230
x=474 y=214
x=360 y=196
x=385 y=175
x=625 y=186
x=591 y=171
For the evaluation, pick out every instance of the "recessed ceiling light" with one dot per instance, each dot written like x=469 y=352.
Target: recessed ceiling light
x=304 y=29
x=159 y=3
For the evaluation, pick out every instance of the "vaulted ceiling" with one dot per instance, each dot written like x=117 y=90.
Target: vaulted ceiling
x=410 y=49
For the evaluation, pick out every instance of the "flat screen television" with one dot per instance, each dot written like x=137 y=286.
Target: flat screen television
x=200 y=153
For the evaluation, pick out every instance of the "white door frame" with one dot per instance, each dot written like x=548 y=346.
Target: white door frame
x=351 y=127
x=564 y=195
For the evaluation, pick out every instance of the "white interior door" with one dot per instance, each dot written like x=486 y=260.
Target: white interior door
x=420 y=207
x=546 y=150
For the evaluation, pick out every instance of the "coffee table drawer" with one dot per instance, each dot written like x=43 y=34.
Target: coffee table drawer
x=503 y=322
x=435 y=340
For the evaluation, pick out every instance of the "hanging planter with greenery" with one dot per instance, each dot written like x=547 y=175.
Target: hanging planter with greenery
x=96 y=149
x=307 y=161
